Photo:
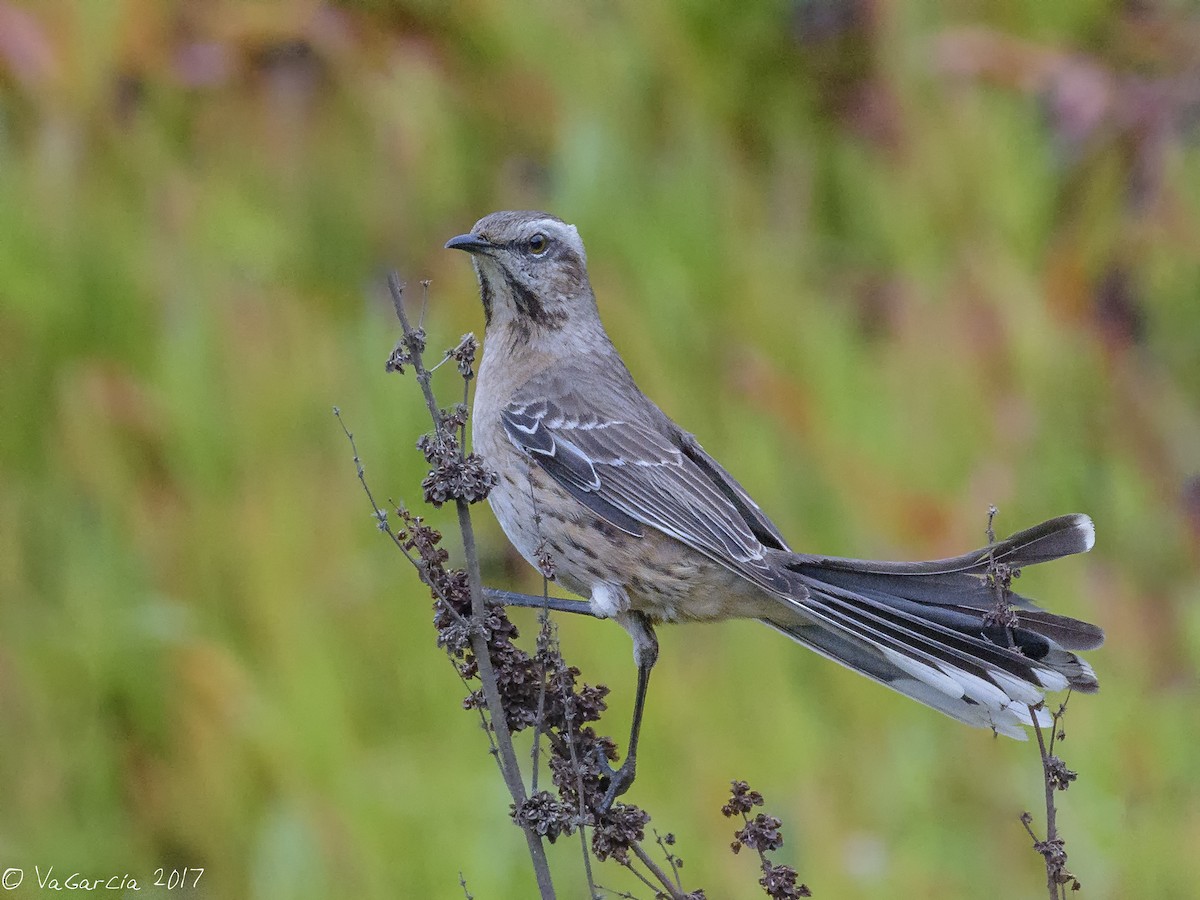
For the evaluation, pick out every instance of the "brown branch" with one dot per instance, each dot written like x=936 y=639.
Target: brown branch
x=1055 y=777
x=581 y=810
x=1051 y=809
x=640 y=877
x=672 y=859
x=668 y=885
x=509 y=766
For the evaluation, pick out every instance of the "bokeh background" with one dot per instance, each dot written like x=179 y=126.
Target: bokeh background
x=891 y=261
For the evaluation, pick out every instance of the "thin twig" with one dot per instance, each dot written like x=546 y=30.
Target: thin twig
x=1055 y=776
x=384 y=525
x=381 y=517
x=593 y=892
x=582 y=808
x=542 y=645
x=543 y=641
x=999 y=576
x=640 y=877
x=382 y=522
x=624 y=895
x=670 y=856
x=424 y=298
x=462 y=436
x=1051 y=811
x=672 y=891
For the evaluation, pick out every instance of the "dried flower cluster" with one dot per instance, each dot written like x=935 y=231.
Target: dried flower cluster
x=1000 y=577
x=1054 y=851
x=411 y=345
x=1057 y=773
x=539 y=691
x=536 y=691
x=545 y=814
x=464 y=355
x=542 y=691
x=762 y=834
x=454 y=475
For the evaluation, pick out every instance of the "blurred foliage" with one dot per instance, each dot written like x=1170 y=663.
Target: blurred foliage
x=892 y=262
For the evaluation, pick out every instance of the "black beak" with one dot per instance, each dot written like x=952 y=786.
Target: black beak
x=472 y=243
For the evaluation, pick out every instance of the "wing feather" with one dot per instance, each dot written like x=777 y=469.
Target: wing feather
x=632 y=470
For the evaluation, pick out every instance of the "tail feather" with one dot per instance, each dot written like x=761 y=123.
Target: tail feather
x=961 y=582
x=1052 y=539
x=868 y=661
x=920 y=628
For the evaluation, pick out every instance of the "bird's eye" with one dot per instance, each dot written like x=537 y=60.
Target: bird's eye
x=538 y=244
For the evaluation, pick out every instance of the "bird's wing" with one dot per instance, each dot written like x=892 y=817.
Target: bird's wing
x=633 y=472
x=763 y=528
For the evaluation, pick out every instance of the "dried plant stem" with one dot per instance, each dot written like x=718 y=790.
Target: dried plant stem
x=1056 y=777
x=640 y=877
x=509 y=766
x=671 y=858
x=535 y=751
x=582 y=812
x=1051 y=810
x=664 y=879
x=385 y=526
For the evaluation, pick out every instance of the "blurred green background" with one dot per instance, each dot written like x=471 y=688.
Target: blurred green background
x=891 y=262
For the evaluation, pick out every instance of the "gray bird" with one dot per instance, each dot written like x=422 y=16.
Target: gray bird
x=649 y=528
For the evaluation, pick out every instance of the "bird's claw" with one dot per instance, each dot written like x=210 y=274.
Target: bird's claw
x=619 y=780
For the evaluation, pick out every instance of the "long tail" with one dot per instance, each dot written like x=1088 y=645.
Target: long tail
x=921 y=628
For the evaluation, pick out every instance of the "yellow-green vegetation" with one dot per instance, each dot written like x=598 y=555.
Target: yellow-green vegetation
x=890 y=262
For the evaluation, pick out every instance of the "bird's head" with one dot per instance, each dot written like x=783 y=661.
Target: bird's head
x=532 y=271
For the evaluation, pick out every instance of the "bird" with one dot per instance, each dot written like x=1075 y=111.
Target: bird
x=650 y=529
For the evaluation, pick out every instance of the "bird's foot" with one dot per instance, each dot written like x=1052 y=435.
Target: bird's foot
x=619 y=780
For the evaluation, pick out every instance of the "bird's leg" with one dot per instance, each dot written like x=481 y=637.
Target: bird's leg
x=537 y=601
x=645 y=653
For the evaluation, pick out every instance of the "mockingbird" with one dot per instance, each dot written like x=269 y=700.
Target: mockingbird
x=646 y=525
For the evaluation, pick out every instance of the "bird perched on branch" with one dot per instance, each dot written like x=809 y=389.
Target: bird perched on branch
x=649 y=528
